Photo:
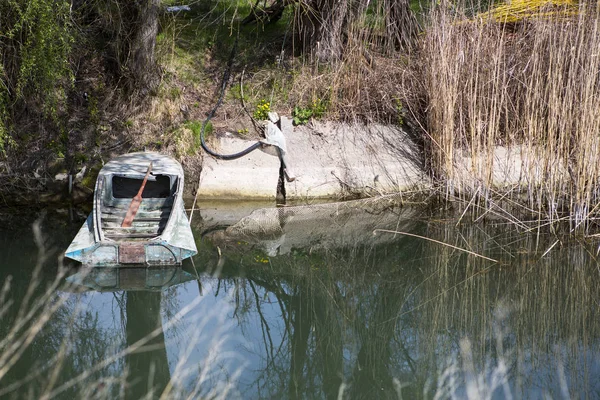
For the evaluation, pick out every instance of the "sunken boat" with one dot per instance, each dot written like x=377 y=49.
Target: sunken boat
x=138 y=215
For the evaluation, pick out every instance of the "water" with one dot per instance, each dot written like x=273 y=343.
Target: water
x=304 y=305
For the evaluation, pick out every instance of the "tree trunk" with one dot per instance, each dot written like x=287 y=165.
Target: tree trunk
x=321 y=25
x=136 y=45
x=326 y=27
x=148 y=367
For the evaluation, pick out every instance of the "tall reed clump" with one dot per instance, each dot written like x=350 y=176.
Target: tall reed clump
x=533 y=85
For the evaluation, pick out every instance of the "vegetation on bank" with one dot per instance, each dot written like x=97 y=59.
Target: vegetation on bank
x=87 y=78
x=533 y=83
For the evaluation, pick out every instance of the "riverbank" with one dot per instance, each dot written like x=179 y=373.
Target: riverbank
x=461 y=105
x=330 y=161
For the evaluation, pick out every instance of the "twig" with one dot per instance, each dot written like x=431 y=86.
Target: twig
x=435 y=241
x=195 y=197
x=549 y=248
x=254 y=122
x=468 y=205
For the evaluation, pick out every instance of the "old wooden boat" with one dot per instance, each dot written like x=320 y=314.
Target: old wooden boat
x=147 y=186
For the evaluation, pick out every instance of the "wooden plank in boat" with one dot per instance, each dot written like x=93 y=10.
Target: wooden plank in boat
x=141 y=214
x=121 y=211
x=142 y=227
x=130 y=235
x=144 y=219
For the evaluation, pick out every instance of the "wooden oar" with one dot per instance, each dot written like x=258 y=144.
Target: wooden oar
x=135 y=202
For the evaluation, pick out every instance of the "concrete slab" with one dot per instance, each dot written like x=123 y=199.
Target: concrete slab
x=507 y=167
x=338 y=161
x=253 y=176
x=328 y=160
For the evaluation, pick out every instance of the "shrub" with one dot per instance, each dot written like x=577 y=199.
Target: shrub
x=317 y=109
x=261 y=112
x=35 y=45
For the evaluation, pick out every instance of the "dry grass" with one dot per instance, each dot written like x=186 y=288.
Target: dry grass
x=520 y=10
x=351 y=58
x=343 y=54
x=107 y=375
x=532 y=85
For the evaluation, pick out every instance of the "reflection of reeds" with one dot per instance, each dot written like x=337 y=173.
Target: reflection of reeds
x=518 y=313
x=424 y=319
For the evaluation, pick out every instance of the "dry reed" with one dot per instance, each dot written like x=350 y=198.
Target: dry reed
x=531 y=86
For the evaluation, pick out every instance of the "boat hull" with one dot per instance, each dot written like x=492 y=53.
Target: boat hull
x=106 y=254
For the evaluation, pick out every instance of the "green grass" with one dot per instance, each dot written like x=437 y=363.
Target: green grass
x=210 y=30
x=196 y=128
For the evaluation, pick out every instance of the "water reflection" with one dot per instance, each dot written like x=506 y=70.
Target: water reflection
x=130 y=278
x=401 y=316
x=147 y=366
x=293 y=305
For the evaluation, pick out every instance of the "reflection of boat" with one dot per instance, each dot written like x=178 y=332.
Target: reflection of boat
x=113 y=279
x=160 y=233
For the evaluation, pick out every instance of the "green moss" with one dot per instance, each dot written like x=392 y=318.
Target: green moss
x=89 y=180
x=236 y=92
x=174 y=93
x=196 y=128
x=208 y=130
x=399 y=112
x=80 y=158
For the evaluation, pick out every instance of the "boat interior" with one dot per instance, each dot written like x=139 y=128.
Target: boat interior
x=154 y=210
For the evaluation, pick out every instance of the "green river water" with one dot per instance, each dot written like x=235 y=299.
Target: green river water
x=305 y=304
